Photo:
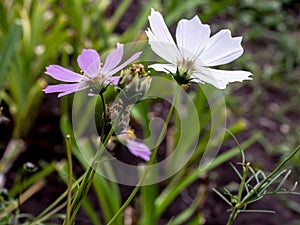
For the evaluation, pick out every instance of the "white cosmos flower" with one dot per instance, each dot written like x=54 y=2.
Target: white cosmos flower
x=195 y=51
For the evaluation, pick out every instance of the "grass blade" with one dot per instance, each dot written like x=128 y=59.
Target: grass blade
x=8 y=49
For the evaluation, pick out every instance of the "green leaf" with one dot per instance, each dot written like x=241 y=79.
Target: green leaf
x=189 y=211
x=8 y=49
x=3 y=16
x=148 y=195
x=172 y=191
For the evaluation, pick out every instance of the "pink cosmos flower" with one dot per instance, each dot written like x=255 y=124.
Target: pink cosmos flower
x=93 y=76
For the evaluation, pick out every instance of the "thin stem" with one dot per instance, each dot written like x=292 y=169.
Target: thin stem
x=40 y=218
x=151 y=161
x=104 y=119
x=89 y=174
x=278 y=168
x=237 y=206
x=245 y=173
x=243 y=202
x=232 y=217
x=90 y=181
x=70 y=175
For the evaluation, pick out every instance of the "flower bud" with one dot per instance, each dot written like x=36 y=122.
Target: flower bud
x=145 y=85
x=114 y=115
x=134 y=84
x=126 y=77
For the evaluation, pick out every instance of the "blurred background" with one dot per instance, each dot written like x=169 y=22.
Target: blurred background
x=35 y=34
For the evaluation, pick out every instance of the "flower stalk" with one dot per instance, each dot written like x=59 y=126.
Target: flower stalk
x=89 y=174
x=151 y=161
x=69 y=191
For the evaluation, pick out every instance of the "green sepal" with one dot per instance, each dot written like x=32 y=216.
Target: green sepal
x=182 y=78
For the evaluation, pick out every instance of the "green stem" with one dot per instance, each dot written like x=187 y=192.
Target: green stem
x=243 y=202
x=89 y=174
x=236 y=208
x=90 y=181
x=151 y=161
x=233 y=215
x=104 y=119
x=245 y=173
x=69 y=196
x=51 y=208
x=278 y=168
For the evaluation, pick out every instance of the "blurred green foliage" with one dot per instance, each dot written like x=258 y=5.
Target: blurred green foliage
x=271 y=31
x=34 y=34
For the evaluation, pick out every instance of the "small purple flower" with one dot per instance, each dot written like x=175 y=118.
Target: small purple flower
x=136 y=148
x=93 y=76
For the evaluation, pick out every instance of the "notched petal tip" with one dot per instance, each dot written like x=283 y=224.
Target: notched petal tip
x=89 y=62
x=220 y=78
x=153 y=12
x=221 y=49
x=119 y=45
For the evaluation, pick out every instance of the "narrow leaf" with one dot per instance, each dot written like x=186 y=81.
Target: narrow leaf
x=8 y=49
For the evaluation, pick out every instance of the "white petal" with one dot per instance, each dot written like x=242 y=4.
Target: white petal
x=192 y=37
x=221 y=49
x=167 y=68
x=220 y=78
x=160 y=38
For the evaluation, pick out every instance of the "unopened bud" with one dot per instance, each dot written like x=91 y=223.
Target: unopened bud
x=145 y=85
x=133 y=86
x=120 y=122
x=126 y=77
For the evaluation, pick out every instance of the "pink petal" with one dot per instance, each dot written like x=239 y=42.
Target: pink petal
x=63 y=74
x=112 y=80
x=64 y=89
x=113 y=58
x=132 y=58
x=89 y=62
x=138 y=149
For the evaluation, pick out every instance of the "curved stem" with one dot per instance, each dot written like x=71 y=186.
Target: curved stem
x=151 y=161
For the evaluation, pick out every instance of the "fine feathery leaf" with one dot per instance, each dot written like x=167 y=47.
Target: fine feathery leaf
x=222 y=196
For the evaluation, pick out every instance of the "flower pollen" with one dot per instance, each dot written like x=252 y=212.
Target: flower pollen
x=130 y=134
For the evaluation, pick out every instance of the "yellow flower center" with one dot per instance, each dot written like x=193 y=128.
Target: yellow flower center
x=130 y=134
